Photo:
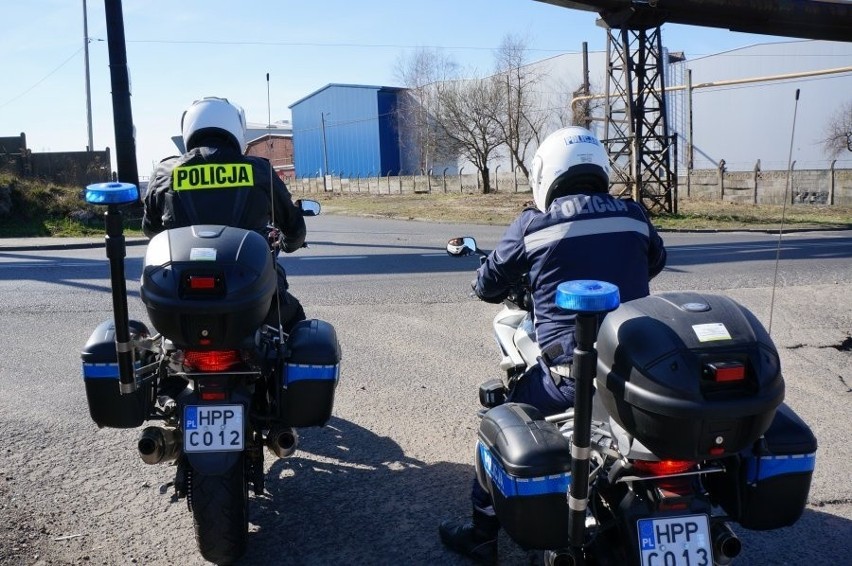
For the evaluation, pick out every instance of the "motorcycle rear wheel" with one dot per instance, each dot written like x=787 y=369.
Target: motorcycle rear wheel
x=220 y=513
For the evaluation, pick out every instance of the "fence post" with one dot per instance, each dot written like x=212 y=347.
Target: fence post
x=756 y=175
x=429 y=180
x=461 y=188
x=790 y=182
x=497 y=179
x=831 y=184
x=444 y=179
x=688 y=181
x=515 y=174
x=721 y=179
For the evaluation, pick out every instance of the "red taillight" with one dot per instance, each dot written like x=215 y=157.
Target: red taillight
x=663 y=467
x=214 y=360
x=202 y=282
x=726 y=372
x=212 y=395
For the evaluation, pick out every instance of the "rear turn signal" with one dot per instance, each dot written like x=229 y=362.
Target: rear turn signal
x=214 y=360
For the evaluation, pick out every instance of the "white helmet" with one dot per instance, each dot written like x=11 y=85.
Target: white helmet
x=570 y=160
x=213 y=113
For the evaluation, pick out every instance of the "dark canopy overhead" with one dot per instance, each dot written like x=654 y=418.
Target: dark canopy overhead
x=811 y=19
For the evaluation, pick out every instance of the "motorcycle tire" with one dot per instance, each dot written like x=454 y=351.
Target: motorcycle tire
x=220 y=513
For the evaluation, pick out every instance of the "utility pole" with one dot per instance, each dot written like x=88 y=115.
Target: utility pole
x=511 y=118
x=91 y=146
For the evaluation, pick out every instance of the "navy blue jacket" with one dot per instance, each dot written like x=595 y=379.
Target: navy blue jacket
x=580 y=237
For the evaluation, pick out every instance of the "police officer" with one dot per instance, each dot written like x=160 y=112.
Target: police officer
x=577 y=231
x=215 y=183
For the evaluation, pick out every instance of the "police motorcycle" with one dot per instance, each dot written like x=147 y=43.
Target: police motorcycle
x=678 y=430
x=219 y=383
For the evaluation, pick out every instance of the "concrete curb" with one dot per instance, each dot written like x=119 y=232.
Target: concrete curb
x=28 y=245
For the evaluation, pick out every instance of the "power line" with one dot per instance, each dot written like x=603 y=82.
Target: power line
x=44 y=78
x=328 y=44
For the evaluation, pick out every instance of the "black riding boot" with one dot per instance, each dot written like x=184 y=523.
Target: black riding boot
x=475 y=538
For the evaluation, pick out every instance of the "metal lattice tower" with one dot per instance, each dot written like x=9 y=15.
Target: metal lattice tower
x=636 y=127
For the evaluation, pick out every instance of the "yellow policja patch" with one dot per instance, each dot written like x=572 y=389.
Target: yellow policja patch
x=212 y=176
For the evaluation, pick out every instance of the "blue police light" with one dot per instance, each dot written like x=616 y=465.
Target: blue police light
x=587 y=296
x=112 y=193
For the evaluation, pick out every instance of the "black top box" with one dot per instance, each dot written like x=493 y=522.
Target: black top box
x=208 y=286
x=689 y=375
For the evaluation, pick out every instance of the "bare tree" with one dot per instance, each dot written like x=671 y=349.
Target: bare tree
x=838 y=131
x=467 y=116
x=522 y=119
x=421 y=72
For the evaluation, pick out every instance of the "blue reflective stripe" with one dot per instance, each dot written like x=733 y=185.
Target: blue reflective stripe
x=103 y=371
x=300 y=372
x=100 y=371
x=770 y=466
x=521 y=487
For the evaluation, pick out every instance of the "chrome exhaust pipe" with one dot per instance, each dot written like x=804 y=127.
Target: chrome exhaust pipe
x=282 y=441
x=561 y=557
x=726 y=545
x=157 y=444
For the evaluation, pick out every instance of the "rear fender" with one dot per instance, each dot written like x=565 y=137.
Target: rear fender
x=213 y=463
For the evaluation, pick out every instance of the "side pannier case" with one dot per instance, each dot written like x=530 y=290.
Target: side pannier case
x=690 y=375
x=310 y=374
x=208 y=286
x=107 y=406
x=766 y=487
x=524 y=462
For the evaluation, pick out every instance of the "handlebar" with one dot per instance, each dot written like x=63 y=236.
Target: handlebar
x=519 y=296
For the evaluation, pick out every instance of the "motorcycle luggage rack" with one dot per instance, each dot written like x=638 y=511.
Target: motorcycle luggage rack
x=559 y=417
x=713 y=470
x=193 y=374
x=147 y=371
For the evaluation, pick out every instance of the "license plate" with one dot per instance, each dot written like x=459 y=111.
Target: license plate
x=212 y=428
x=675 y=541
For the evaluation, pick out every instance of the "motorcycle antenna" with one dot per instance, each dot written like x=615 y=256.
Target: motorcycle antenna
x=272 y=205
x=787 y=189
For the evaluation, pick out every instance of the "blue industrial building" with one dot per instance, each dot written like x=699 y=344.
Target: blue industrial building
x=349 y=131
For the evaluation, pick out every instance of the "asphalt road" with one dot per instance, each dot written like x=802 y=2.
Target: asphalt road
x=395 y=460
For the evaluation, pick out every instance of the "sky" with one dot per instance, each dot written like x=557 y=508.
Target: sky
x=179 y=51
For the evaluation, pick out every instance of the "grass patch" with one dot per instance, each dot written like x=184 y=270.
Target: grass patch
x=502 y=208
x=33 y=208
x=724 y=215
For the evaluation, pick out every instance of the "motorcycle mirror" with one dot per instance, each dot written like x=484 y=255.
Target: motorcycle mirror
x=461 y=246
x=309 y=207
